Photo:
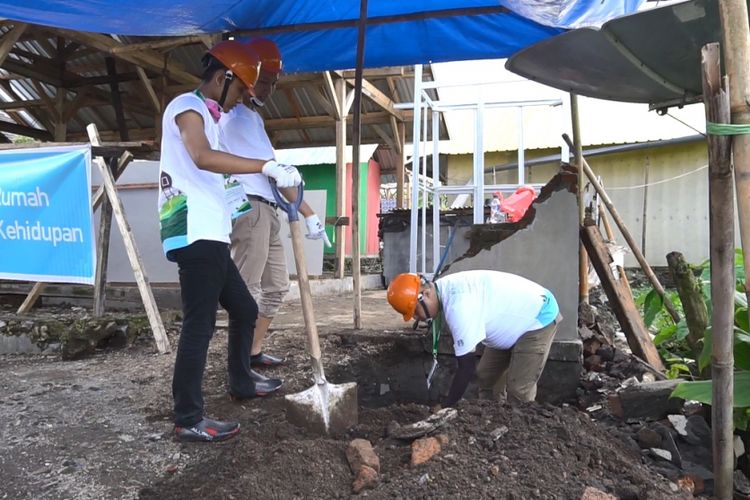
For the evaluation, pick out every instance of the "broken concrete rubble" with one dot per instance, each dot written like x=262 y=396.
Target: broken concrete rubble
x=73 y=332
x=422 y=450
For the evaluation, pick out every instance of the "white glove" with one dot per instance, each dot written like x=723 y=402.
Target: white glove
x=315 y=230
x=285 y=175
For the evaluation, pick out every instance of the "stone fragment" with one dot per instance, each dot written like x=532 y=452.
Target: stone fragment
x=591 y=493
x=662 y=454
x=648 y=438
x=686 y=484
x=499 y=432
x=443 y=438
x=422 y=450
x=367 y=479
x=741 y=483
x=679 y=423
x=360 y=453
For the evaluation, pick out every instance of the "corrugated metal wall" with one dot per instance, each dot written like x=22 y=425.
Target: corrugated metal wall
x=662 y=191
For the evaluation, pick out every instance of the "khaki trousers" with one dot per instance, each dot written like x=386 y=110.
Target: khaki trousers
x=259 y=256
x=516 y=371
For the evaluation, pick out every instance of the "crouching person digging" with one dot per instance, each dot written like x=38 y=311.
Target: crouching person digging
x=515 y=318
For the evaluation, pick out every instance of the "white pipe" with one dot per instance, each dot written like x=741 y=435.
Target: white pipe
x=435 y=193
x=424 y=192
x=479 y=164
x=415 y=168
x=447 y=105
x=521 y=165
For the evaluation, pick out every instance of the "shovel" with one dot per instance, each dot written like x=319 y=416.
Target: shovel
x=324 y=407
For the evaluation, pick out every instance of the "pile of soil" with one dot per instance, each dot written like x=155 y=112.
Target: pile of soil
x=548 y=452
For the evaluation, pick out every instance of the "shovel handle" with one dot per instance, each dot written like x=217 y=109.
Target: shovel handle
x=291 y=208
x=304 y=282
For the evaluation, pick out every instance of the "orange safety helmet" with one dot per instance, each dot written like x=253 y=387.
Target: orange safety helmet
x=270 y=55
x=240 y=59
x=403 y=292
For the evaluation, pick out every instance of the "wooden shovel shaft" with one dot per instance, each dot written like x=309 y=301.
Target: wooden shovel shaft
x=304 y=291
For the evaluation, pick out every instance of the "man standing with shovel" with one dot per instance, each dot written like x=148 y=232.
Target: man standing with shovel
x=195 y=226
x=515 y=318
x=256 y=246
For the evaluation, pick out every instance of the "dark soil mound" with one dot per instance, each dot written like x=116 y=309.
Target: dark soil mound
x=548 y=452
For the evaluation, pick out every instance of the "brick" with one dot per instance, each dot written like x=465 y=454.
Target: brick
x=359 y=453
x=367 y=479
x=591 y=493
x=423 y=450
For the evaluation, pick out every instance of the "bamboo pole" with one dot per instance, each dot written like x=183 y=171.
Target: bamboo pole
x=721 y=231
x=356 y=138
x=583 y=261
x=628 y=237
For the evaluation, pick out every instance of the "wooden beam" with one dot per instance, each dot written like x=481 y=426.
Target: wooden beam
x=330 y=90
x=114 y=87
x=145 y=58
x=297 y=112
x=35 y=133
x=152 y=311
x=387 y=139
x=9 y=40
x=155 y=102
x=22 y=105
x=61 y=125
x=379 y=98
x=622 y=303
x=339 y=240
x=102 y=252
x=164 y=43
x=326 y=121
x=76 y=103
x=28 y=71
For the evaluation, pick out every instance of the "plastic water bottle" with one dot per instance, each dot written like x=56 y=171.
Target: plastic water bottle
x=496 y=214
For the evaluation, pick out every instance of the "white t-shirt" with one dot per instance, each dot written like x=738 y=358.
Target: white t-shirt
x=244 y=134
x=191 y=200
x=493 y=307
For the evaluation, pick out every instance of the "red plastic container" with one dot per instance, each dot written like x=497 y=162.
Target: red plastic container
x=518 y=203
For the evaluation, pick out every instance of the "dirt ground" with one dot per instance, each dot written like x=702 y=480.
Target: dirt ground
x=101 y=428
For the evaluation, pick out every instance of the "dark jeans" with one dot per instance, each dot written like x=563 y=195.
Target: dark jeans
x=208 y=277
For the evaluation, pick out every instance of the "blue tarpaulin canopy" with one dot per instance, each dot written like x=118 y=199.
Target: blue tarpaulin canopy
x=318 y=35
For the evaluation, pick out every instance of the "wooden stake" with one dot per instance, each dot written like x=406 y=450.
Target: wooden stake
x=583 y=264
x=628 y=237
x=340 y=244
x=356 y=136
x=157 y=327
x=721 y=242
x=102 y=252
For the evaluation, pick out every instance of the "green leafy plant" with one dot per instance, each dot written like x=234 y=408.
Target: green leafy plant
x=671 y=341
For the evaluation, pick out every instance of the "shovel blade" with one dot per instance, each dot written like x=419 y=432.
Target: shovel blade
x=324 y=408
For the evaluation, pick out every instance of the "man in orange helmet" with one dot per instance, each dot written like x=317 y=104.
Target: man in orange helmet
x=256 y=246
x=195 y=226
x=515 y=318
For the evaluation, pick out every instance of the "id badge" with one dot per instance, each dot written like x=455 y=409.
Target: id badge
x=432 y=372
x=235 y=198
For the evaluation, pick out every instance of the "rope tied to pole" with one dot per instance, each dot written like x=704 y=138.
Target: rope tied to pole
x=727 y=128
